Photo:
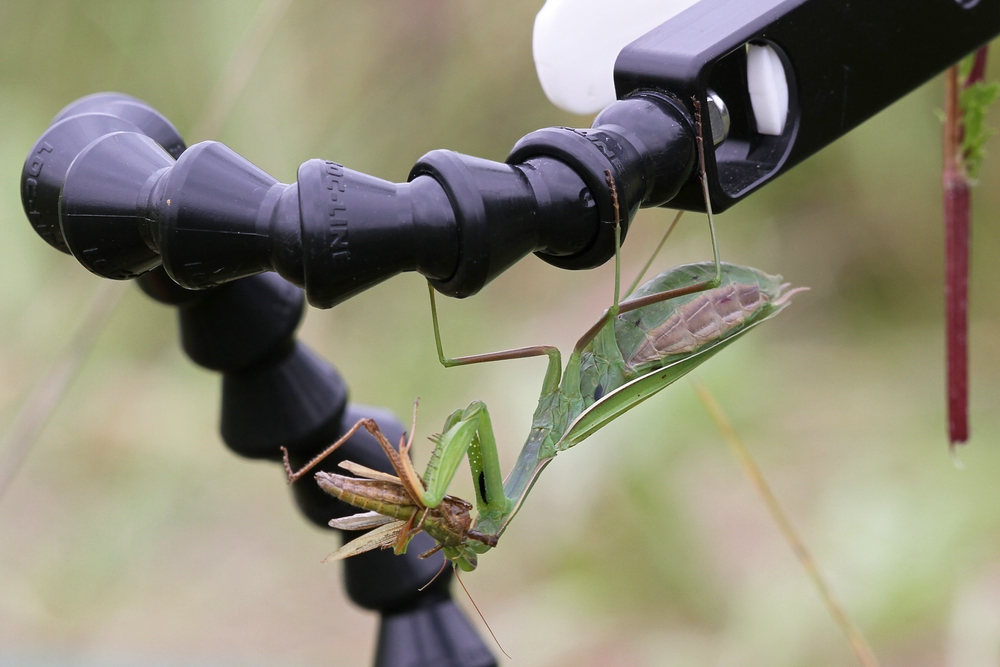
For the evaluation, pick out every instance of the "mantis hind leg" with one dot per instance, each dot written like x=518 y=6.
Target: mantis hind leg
x=624 y=307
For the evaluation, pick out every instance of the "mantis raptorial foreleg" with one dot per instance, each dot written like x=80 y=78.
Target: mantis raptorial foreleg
x=622 y=361
x=469 y=431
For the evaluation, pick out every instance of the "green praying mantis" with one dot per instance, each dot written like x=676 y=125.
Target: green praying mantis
x=639 y=346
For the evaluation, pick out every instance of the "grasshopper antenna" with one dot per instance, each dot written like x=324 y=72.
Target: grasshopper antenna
x=481 y=615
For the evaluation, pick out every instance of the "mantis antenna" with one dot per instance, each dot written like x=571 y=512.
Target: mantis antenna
x=618 y=240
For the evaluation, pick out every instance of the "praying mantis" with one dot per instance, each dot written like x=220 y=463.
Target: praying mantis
x=638 y=347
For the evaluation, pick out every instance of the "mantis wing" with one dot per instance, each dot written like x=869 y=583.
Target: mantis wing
x=380 y=537
x=631 y=394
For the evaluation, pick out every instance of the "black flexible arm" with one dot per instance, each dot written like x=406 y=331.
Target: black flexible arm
x=103 y=184
x=276 y=392
x=111 y=183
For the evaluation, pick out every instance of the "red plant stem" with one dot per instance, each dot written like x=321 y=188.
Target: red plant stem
x=978 y=71
x=957 y=299
x=956 y=240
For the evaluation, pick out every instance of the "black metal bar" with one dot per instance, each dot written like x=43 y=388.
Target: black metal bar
x=844 y=62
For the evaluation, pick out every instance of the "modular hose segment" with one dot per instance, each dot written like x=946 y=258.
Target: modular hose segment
x=111 y=183
x=276 y=392
x=107 y=189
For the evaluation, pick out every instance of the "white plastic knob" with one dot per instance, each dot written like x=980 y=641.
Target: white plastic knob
x=768 y=89
x=576 y=43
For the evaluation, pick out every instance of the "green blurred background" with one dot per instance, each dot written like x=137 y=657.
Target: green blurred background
x=133 y=537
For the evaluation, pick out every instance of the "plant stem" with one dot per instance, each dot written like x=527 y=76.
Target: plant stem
x=957 y=204
x=47 y=393
x=956 y=243
x=855 y=637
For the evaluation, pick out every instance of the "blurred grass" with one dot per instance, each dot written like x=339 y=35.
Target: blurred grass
x=133 y=537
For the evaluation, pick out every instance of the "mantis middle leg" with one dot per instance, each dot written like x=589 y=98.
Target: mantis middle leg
x=470 y=431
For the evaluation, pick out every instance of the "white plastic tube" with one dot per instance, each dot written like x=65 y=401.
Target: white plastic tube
x=576 y=43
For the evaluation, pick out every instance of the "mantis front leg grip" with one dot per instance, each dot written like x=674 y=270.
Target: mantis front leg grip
x=103 y=184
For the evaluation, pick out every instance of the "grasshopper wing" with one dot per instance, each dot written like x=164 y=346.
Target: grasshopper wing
x=362 y=521
x=379 y=538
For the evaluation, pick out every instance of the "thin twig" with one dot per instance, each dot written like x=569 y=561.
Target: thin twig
x=967 y=97
x=52 y=385
x=855 y=637
x=239 y=68
x=48 y=392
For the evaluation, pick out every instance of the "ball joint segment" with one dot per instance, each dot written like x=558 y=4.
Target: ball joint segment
x=103 y=184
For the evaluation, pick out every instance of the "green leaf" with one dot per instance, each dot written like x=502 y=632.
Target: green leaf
x=965 y=66
x=974 y=102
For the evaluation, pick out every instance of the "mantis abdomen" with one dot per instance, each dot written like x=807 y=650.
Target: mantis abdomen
x=708 y=317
